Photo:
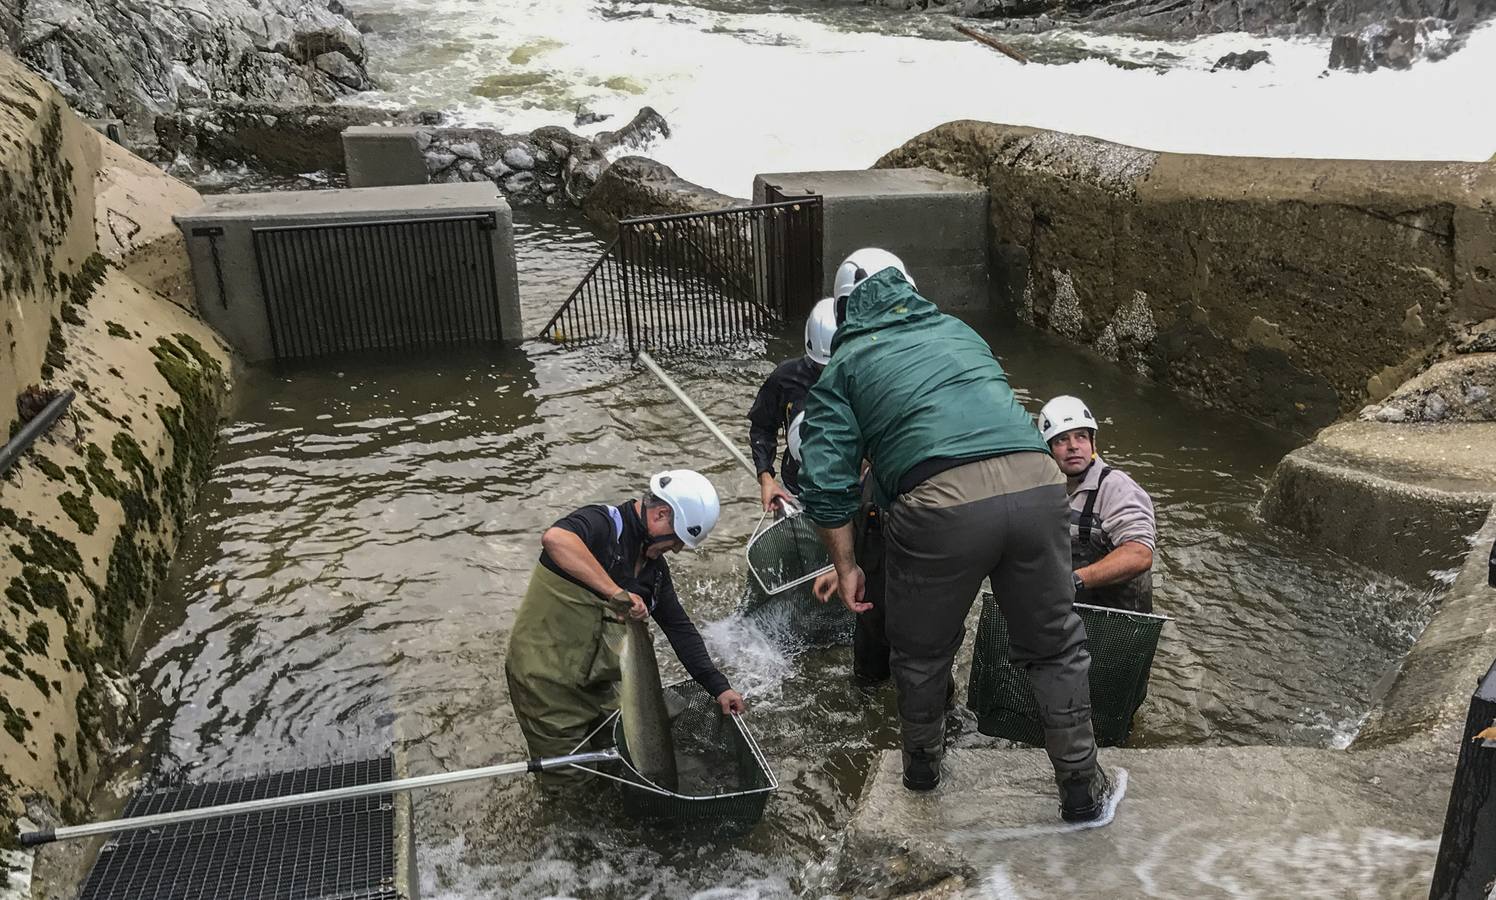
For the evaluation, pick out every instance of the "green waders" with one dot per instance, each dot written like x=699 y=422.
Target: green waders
x=562 y=669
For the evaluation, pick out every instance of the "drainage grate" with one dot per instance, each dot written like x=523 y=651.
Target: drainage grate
x=343 y=850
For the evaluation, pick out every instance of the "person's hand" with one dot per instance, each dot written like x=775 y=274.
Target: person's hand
x=773 y=495
x=825 y=586
x=852 y=586
x=628 y=605
x=638 y=610
x=732 y=703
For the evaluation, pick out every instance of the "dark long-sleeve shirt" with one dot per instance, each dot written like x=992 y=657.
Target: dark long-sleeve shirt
x=781 y=396
x=617 y=544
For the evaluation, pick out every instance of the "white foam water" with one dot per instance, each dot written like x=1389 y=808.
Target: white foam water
x=764 y=92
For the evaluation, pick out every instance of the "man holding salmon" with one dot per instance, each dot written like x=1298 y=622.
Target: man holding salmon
x=563 y=663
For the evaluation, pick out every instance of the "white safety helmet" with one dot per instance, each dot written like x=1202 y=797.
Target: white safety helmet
x=693 y=503
x=864 y=264
x=820 y=328
x=794 y=437
x=1062 y=414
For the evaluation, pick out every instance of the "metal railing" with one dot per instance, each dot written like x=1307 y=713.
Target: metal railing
x=670 y=282
x=349 y=286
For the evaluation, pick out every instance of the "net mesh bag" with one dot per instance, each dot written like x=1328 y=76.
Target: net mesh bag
x=725 y=781
x=784 y=558
x=1122 y=645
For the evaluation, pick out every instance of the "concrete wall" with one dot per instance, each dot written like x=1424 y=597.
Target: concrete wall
x=1290 y=290
x=936 y=223
x=381 y=156
x=89 y=515
x=238 y=309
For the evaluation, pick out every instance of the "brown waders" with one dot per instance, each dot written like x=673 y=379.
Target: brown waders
x=1004 y=518
x=562 y=669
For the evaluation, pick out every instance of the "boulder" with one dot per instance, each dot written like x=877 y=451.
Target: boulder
x=636 y=186
x=136 y=60
x=518 y=157
x=1391 y=44
x=1241 y=61
x=1462 y=389
x=646 y=127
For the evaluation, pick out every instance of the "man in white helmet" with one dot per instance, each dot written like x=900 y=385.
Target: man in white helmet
x=1112 y=528
x=975 y=496
x=562 y=666
x=780 y=398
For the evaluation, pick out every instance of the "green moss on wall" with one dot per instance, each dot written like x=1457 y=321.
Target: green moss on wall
x=38 y=637
x=80 y=510
x=117 y=330
x=57 y=347
x=49 y=468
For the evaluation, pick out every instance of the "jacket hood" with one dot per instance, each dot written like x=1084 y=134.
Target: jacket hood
x=883 y=301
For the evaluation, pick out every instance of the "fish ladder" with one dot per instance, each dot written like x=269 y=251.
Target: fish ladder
x=698 y=279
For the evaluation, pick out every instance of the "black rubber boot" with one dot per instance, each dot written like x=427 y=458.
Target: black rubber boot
x=1083 y=795
x=921 y=770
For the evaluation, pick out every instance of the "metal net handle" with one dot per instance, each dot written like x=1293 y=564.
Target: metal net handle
x=759 y=531
x=642 y=784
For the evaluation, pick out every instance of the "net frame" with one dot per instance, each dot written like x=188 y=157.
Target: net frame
x=1005 y=711
x=730 y=811
x=791 y=522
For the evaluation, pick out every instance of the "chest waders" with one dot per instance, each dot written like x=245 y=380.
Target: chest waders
x=562 y=668
x=1135 y=594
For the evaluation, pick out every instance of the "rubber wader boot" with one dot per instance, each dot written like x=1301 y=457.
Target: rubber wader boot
x=1083 y=795
x=922 y=770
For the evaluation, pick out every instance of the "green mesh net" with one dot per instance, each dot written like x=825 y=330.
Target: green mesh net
x=1122 y=646
x=725 y=781
x=784 y=557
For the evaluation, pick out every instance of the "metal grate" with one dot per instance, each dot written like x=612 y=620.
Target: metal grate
x=1122 y=644
x=342 y=850
x=349 y=286
x=673 y=282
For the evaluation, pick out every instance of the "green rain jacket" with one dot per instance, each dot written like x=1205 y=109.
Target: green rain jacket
x=906 y=384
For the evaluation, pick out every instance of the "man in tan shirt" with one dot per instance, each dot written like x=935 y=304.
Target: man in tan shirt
x=1112 y=529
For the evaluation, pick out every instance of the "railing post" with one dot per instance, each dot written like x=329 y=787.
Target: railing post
x=624 y=232
x=1466 y=867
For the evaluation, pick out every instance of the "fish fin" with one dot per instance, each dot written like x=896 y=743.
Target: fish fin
x=1488 y=735
x=675 y=704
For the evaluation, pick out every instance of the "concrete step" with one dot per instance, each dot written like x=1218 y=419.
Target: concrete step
x=1197 y=823
x=1402 y=499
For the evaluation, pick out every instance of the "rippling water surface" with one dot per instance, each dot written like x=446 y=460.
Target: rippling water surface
x=352 y=572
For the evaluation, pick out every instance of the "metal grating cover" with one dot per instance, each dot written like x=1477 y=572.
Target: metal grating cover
x=342 y=850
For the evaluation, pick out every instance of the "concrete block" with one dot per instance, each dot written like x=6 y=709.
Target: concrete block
x=109 y=128
x=379 y=156
x=236 y=305
x=936 y=223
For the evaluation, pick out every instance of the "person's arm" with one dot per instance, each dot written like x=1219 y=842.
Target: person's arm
x=1124 y=563
x=691 y=650
x=763 y=440
x=567 y=550
x=1127 y=511
x=831 y=451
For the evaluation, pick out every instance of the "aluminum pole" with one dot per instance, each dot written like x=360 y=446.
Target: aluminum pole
x=440 y=779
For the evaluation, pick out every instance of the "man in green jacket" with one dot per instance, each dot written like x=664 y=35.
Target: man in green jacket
x=919 y=394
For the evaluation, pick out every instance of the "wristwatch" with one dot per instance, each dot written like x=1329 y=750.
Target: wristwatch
x=1080 y=583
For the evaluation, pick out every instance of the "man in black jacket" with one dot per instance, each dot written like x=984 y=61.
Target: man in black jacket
x=780 y=399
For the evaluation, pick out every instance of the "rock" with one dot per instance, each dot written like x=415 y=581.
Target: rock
x=341 y=69
x=467 y=150
x=466 y=168
x=519 y=182
x=588 y=117
x=1461 y=389
x=519 y=158
x=1242 y=61
x=438 y=160
x=423 y=139
x=135 y=60
x=1391 y=44
x=497 y=170
x=1000 y=9
x=645 y=128
x=635 y=186
x=1282 y=18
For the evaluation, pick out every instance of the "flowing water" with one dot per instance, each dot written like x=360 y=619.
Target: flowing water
x=755 y=86
x=351 y=574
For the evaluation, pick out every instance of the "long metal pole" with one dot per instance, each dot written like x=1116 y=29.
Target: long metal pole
x=711 y=426
x=440 y=779
x=33 y=429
